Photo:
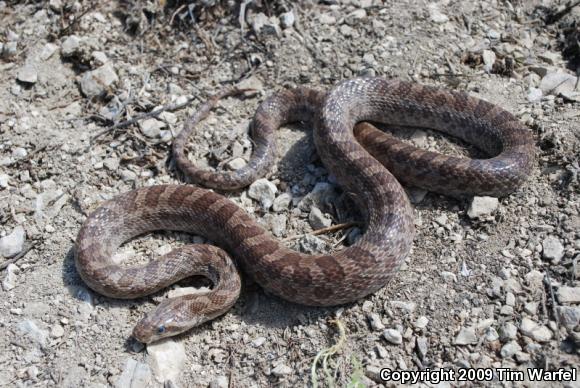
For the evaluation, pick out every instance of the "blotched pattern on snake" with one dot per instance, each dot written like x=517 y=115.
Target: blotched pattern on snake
x=360 y=156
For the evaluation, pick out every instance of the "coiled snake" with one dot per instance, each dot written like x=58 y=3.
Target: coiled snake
x=349 y=152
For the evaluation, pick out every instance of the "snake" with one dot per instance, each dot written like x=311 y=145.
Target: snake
x=368 y=164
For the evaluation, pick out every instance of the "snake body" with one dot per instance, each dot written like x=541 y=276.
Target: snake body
x=351 y=152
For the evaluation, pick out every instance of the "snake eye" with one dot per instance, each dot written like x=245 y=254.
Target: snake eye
x=161 y=329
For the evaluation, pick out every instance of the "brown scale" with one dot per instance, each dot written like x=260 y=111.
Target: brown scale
x=351 y=155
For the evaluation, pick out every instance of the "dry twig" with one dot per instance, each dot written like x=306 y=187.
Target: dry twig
x=137 y=118
x=329 y=229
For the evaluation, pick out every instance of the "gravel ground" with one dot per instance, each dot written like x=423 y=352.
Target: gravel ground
x=489 y=284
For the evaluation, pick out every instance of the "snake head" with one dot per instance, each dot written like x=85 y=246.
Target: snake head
x=170 y=318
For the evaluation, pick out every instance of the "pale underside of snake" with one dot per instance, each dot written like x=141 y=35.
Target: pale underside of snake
x=360 y=156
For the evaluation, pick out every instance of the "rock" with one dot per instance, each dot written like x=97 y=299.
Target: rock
x=569 y=316
x=358 y=14
x=552 y=249
x=282 y=202
x=312 y=244
x=56 y=331
x=569 y=295
x=422 y=347
x=48 y=51
x=375 y=321
x=281 y=370
x=346 y=30
x=534 y=94
x=539 y=70
x=488 y=60
x=220 y=382
x=318 y=220
x=264 y=192
x=535 y=278
x=556 y=83
x=506 y=310
x=327 y=19
x=151 y=127
x=482 y=206
x=466 y=336
x=19 y=152
x=278 y=224
x=533 y=80
x=508 y=331
x=421 y=322
x=393 y=336
x=70 y=46
x=30 y=330
x=4 y=178
x=11 y=35
x=181 y=100
x=571 y=96
x=483 y=323
x=550 y=57
x=168 y=117
x=10 y=49
x=535 y=331
x=442 y=220
x=373 y=372
x=10 y=279
x=55 y=5
x=99 y=57
x=491 y=334
x=165 y=135
x=27 y=74
x=381 y=351
x=167 y=359
x=449 y=277
x=111 y=164
x=367 y=306
x=435 y=14
x=493 y=34
x=128 y=175
x=32 y=372
x=134 y=375
x=510 y=299
x=287 y=19
x=258 y=342
x=419 y=138
x=495 y=291
x=263 y=24
x=509 y=349
x=12 y=244
x=531 y=308
x=522 y=357
x=254 y=82
x=408 y=307
x=533 y=347
x=96 y=82
x=322 y=193
x=236 y=164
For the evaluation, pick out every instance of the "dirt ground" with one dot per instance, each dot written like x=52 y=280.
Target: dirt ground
x=495 y=290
